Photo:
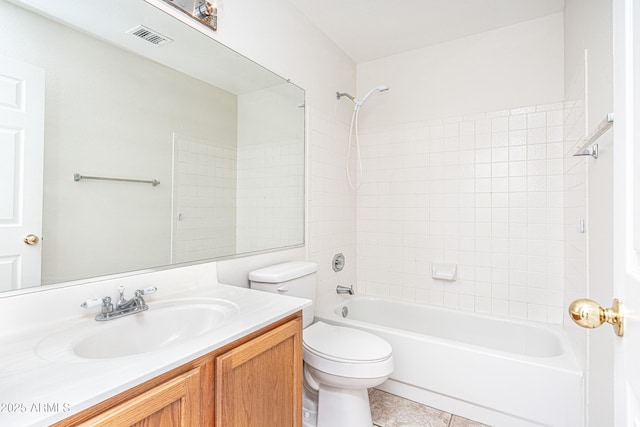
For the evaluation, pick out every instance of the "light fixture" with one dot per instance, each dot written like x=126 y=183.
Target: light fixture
x=207 y=11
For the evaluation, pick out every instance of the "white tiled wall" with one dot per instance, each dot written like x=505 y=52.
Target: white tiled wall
x=204 y=199
x=270 y=190
x=483 y=191
x=270 y=187
x=332 y=205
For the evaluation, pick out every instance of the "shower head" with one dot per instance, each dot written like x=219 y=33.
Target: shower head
x=381 y=88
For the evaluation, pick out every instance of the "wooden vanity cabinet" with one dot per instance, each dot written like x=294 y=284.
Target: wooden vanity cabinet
x=255 y=381
x=175 y=403
x=259 y=383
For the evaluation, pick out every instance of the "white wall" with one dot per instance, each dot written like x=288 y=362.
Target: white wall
x=510 y=67
x=588 y=25
x=464 y=165
x=276 y=35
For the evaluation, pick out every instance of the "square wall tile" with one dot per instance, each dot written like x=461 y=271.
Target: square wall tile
x=485 y=191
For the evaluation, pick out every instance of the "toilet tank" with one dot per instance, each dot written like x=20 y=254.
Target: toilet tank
x=296 y=279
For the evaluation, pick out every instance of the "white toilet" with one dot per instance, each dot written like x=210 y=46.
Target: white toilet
x=339 y=363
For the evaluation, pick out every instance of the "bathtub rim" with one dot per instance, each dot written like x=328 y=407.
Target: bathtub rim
x=566 y=362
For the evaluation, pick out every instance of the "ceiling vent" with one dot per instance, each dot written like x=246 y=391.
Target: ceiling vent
x=149 y=35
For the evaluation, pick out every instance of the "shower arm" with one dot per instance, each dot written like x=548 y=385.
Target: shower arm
x=341 y=94
x=358 y=102
x=348 y=95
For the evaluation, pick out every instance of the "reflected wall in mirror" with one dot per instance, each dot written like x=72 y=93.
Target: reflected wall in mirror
x=222 y=135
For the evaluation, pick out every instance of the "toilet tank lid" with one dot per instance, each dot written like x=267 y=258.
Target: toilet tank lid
x=283 y=272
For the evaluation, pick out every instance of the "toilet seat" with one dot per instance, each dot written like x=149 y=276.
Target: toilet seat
x=343 y=344
x=346 y=352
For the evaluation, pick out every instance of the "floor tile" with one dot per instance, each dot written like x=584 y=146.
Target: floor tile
x=457 y=421
x=389 y=410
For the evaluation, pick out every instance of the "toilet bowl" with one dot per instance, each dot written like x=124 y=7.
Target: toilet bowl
x=340 y=363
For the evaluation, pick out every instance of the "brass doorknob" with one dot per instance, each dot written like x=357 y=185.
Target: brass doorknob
x=31 y=239
x=589 y=314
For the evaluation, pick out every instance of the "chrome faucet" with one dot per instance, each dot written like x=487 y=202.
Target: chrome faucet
x=345 y=289
x=123 y=306
x=127 y=305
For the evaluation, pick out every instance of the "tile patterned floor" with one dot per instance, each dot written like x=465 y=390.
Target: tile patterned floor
x=388 y=410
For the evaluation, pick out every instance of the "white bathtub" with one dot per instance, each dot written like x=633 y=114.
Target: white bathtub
x=498 y=371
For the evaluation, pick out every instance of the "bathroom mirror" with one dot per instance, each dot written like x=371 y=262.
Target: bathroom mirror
x=203 y=149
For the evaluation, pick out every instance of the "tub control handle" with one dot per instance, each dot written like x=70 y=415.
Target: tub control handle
x=589 y=314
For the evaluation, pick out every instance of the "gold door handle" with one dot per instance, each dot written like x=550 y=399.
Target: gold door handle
x=589 y=314
x=31 y=239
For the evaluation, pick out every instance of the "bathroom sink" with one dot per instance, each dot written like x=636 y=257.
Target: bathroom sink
x=165 y=324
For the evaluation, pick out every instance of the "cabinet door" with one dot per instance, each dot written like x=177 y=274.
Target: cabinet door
x=259 y=384
x=171 y=404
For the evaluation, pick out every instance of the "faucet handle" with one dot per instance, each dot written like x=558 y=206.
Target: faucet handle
x=145 y=291
x=107 y=307
x=94 y=302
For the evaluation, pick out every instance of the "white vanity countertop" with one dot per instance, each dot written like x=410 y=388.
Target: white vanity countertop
x=40 y=389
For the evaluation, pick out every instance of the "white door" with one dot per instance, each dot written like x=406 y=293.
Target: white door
x=627 y=209
x=21 y=156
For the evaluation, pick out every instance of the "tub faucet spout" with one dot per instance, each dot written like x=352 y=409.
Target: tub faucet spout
x=345 y=289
